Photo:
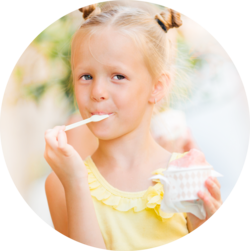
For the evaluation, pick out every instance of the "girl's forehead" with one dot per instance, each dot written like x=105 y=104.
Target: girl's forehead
x=106 y=46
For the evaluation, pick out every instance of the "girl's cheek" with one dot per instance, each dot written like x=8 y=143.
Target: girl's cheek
x=81 y=95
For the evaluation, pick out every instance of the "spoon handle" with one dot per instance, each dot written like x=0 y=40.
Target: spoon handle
x=85 y=121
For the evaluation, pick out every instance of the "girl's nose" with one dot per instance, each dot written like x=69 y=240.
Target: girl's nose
x=99 y=91
x=98 y=99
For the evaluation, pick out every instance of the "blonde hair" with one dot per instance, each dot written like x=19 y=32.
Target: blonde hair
x=144 y=23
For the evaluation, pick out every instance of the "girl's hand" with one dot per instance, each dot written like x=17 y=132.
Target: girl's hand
x=212 y=202
x=63 y=158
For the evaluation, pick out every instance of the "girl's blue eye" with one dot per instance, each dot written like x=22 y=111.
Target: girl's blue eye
x=115 y=75
x=120 y=76
x=85 y=75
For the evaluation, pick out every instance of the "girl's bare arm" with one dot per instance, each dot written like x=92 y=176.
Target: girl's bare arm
x=57 y=203
x=82 y=220
x=72 y=211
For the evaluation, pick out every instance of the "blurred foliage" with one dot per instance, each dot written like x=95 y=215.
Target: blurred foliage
x=192 y=61
x=187 y=64
x=35 y=92
x=54 y=45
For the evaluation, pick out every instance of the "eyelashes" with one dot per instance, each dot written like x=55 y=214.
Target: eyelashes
x=90 y=79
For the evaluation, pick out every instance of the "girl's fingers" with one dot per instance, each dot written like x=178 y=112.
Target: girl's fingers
x=55 y=131
x=213 y=189
x=60 y=128
x=62 y=144
x=51 y=136
x=209 y=206
x=216 y=181
x=62 y=140
x=52 y=132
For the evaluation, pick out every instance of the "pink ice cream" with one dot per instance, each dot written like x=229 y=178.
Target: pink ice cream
x=192 y=158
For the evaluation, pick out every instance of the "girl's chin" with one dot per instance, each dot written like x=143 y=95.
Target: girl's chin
x=102 y=132
x=101 y=135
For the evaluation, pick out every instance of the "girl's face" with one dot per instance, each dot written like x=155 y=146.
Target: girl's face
x=110 y=77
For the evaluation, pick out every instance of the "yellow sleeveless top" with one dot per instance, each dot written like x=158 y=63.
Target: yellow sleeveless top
x=133 y=220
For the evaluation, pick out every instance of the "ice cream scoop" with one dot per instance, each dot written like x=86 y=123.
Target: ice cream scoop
x=94 y=118
x=192 y=158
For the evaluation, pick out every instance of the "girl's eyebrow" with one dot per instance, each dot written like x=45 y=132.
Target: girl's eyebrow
x=116 y=67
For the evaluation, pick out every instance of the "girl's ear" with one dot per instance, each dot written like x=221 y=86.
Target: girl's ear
x=159 y=88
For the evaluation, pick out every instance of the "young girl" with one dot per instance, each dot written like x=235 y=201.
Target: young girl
x=121 y=66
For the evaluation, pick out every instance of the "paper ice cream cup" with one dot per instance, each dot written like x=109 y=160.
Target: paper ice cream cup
x=183 y=184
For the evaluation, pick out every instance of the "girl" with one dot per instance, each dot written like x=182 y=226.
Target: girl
x=121 y=66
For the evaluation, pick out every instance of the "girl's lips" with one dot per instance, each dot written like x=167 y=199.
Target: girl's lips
x=101 y=113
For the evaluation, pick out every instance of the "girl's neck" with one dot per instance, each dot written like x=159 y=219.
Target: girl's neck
x=128 y=151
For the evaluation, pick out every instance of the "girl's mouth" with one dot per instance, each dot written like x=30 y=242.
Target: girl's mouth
x=101 y=113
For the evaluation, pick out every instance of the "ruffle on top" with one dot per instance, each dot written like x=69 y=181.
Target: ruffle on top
x=124 y=201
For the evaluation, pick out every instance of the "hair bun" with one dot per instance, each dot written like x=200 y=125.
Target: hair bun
x=170 y=18
x=89 y=11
